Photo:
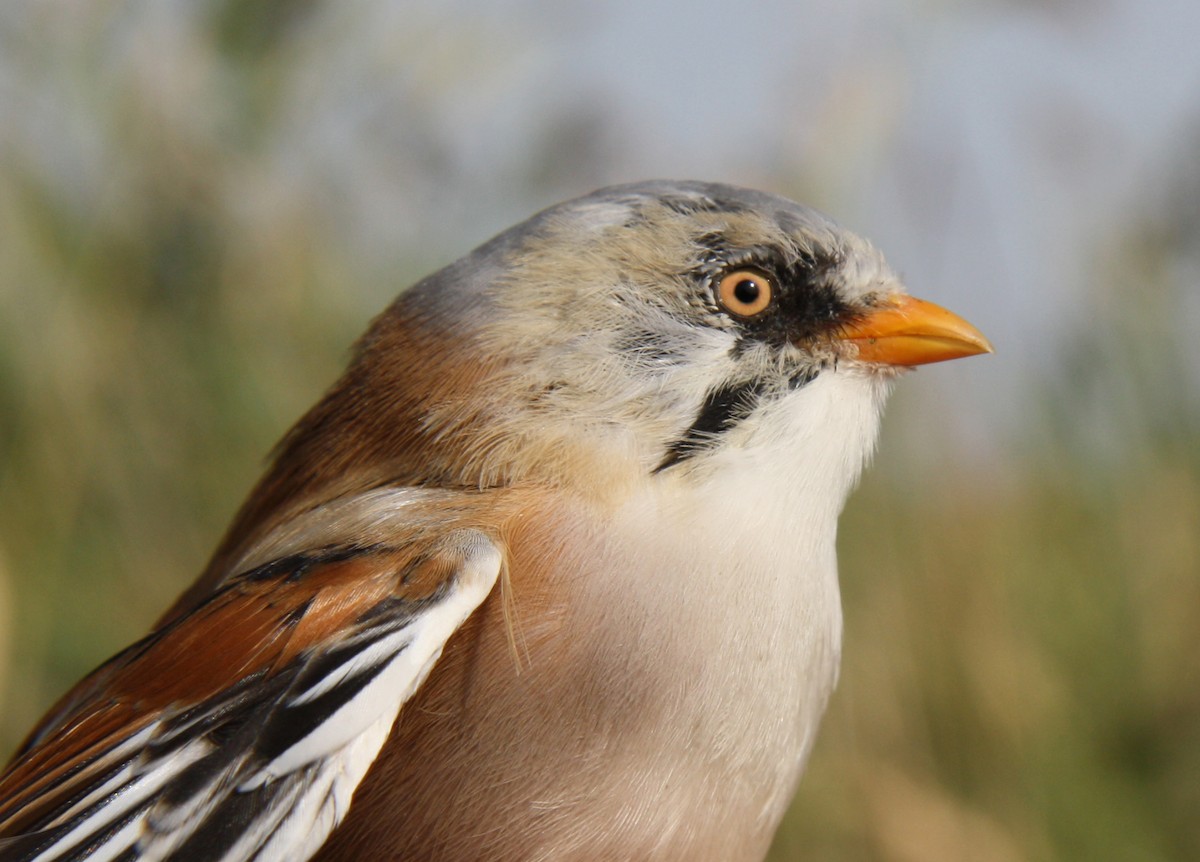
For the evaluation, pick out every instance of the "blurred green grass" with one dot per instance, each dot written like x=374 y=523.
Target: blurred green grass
x=1020 y=677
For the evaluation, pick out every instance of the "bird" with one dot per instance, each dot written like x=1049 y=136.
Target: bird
x=548 y=574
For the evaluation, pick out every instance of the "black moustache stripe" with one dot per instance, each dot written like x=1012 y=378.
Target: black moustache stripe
x=723 y=408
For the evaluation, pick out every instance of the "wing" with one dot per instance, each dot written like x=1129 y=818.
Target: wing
x=241 y=730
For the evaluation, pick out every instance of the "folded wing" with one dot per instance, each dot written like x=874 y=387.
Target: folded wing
x=241 y=730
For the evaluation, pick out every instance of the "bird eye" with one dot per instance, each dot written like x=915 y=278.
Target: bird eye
x=745 y=292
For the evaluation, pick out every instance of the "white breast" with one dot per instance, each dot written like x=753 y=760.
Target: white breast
x=722 y=587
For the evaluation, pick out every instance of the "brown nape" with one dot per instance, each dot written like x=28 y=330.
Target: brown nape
x=372 y=427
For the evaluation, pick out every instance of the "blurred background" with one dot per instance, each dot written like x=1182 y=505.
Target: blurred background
x=202 y=203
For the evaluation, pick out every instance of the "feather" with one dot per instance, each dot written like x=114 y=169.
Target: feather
x=248 y=722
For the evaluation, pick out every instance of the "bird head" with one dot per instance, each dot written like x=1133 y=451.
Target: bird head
x=640 y=333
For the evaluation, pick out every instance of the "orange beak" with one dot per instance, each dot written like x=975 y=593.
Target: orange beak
x=908 y=331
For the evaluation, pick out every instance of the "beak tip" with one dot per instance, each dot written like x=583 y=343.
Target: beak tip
x=985 y=346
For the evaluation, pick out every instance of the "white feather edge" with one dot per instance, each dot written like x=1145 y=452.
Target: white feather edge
x=425 y=636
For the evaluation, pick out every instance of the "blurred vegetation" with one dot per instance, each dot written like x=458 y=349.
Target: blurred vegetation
x=1020 y=677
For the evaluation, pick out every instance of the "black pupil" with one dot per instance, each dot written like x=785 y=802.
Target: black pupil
x=747 y=291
